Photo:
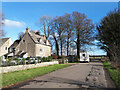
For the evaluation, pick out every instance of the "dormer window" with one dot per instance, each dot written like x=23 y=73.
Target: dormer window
x=38 y=39
x=44 y=41
x=23 y=41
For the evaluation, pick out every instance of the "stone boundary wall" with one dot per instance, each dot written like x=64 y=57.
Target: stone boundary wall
x=24 y=67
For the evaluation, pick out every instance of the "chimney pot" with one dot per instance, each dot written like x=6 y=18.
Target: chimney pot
x=27 y=29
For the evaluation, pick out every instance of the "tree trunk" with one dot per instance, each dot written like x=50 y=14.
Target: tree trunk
x=56 y=44
x=44 y=30
x=67 y=47
x=78 y=44
x=61 y=48
x=78 y=50
x=57 y=48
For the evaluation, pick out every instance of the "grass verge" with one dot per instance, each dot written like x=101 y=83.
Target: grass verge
x=12 y=78
x=114 y=73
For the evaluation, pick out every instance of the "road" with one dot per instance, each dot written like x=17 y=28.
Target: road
x=81 y=75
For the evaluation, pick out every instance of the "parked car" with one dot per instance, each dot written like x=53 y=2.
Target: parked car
x=35 y=60
x=38 y=61
x=32 y=60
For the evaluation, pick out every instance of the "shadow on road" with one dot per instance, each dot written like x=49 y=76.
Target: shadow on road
x=58 y=80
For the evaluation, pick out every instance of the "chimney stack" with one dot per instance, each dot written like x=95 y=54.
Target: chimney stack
x=27 y=29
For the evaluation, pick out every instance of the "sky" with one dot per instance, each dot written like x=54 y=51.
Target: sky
x=59 y=0
x=19 y=15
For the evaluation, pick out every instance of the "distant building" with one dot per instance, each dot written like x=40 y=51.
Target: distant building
x=5 y=43
x=31 y=45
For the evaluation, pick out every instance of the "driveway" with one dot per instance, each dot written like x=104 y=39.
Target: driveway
x=81 y=75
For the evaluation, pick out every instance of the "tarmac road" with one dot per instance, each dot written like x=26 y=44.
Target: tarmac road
x=82 y=75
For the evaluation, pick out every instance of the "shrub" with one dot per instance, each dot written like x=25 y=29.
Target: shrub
x=43 y=59
x=28 y=59
x=9 y=62
x=23 y=61
x=18 y=61
x=34 y=61
x=39 y=58
x=49 y=58
x=46 y=59
x=54 y=56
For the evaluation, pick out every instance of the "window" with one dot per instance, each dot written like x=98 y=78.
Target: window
x=47 y=50
x=38 y=39
x=41 y=50
x=5 y=48
x=23 y=41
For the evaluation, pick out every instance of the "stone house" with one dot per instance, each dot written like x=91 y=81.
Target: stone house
x=5 y=43
x=31 y=45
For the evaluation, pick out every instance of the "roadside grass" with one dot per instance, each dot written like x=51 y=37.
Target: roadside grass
x=74 y=62
x=94 y=57
x=114 y=73
x=12 y=78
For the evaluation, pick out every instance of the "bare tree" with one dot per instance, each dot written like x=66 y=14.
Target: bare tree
x=83 y=30
x=44 y=24
x=59 y=28
x=2 y=33
x=69 y=30
x=56 y=43
x=20 y=35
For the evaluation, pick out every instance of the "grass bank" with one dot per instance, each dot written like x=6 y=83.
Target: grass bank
x=12 y=78
x=114 y=73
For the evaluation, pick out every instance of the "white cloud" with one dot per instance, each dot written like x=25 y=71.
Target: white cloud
x=11 y=23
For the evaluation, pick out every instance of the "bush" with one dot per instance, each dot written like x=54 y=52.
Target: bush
x=9 y=62
x=18 y=61
x=43 y=59
x=61 y=57
x=49 y=58
x=46 y=59
x=29 y=61
x=23 y=61
x=39 y=58
x=54 y=56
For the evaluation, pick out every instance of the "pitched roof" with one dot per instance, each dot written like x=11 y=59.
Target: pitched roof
x=14 y=45
x=3 y=40
x=38 y=39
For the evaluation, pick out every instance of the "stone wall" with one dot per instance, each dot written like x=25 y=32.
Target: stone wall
x=24 y=67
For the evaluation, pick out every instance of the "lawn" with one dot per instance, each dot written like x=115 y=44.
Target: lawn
x=20 y=76
x=114 y=73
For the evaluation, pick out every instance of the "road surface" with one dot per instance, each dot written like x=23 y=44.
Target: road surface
x=81 y=75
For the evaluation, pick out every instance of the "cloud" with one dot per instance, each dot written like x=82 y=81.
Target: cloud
x=12 y=24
